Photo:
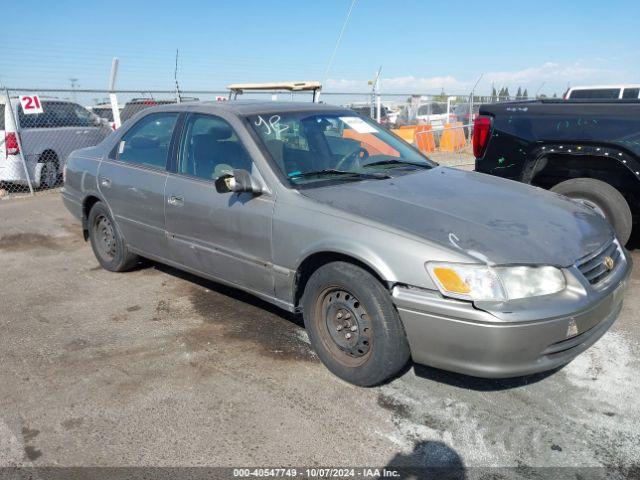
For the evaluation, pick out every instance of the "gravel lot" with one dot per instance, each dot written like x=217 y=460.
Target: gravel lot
x=157 y=367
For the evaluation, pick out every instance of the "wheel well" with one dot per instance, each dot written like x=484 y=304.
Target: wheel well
x=558 y=168
x=315 y=261
x=48 y=155
x=87 y=205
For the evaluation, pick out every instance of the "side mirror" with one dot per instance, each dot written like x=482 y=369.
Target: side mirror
x=238 y=182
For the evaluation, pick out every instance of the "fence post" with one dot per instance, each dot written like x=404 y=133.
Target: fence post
x=18 y=139
x=113 y=98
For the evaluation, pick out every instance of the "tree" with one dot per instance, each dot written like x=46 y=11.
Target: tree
x=519 y=94
x=506 y=93
x=555 y=95
x=525 y=94
x=494 y=93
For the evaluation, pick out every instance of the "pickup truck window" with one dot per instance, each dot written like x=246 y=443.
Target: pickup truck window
x=595 y=93
x=147 y=142
x=332 y=145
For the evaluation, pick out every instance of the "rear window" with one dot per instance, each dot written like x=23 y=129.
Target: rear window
x=104 y=112
x=432 y=109
x=631 y=93
x=55 y=115
x=131 y=108
x=2 y=116
x=596 y=93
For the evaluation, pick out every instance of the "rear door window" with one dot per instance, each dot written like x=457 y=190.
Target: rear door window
x=147 y=142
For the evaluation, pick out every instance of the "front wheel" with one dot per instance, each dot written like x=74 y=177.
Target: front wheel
x=603 y=199
x=353 y=325
x=107 y=243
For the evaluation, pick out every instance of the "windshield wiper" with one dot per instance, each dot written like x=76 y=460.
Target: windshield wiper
x=347 y=174
x=397 y=162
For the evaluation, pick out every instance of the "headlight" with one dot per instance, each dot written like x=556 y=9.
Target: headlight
x=481 y=282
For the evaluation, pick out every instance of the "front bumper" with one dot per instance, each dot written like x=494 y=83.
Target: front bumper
x=457 y=336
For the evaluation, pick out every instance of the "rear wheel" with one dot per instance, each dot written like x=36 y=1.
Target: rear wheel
x=49 y=170
x=603 y=199
x=107 y=243
x=353 y=325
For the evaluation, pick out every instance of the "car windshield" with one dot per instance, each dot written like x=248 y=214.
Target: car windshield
x=310 y=148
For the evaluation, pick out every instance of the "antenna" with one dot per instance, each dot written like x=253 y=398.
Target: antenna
x=175 y=77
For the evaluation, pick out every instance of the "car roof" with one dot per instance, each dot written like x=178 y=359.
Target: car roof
x=249 y=107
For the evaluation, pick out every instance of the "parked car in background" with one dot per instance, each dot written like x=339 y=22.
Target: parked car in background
x=434 y=114
x=586 y=150
x=464 y=115
x=462 y=112
x=44 y=140
x=138 y=104
x=365 y=111
x=604 y=92
x=387 y=255
x=104 y=111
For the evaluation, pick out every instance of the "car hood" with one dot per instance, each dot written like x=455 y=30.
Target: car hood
x=494 y=220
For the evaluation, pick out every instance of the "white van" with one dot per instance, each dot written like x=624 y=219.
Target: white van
x=44 y=140
x=604 y=92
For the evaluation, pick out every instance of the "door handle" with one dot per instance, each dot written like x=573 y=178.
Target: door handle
x=105 y=182
x=176 y=200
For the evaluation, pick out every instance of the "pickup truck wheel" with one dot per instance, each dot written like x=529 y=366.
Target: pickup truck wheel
x=353 y=325
x=107 y=243
x=603 y=199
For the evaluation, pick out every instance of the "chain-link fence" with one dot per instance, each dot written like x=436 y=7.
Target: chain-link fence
x=39 y=128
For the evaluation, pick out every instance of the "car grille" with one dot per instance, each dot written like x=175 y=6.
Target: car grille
x=594 y=267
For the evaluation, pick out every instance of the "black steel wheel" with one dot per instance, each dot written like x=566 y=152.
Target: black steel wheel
x=345 y=327
x=353 y=325
x=108 y=245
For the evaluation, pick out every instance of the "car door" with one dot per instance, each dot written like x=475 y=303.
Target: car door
x=221 y=235
x=132 y=179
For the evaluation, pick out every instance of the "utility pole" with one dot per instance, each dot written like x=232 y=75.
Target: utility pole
x=74 y=84
x=375 y=96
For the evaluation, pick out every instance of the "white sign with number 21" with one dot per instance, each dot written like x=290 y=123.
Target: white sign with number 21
x=31 y=104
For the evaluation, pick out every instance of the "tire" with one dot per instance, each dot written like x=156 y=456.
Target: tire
x=353 y=325
x=604 y=199
x=107 y=243
x=49 y=172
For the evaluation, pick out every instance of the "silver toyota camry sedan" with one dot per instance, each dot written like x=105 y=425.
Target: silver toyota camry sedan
x=388 y=256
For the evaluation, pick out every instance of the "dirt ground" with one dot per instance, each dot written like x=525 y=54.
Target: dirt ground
x=157 y=367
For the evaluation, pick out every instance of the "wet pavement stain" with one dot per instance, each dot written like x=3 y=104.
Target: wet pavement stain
x=32 y=453
x=18 y=242
x=71 y=423
x=394 y=406
x=29 y=434
x=237 y=316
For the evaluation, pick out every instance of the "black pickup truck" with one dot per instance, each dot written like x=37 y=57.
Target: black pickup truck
x=587 y=150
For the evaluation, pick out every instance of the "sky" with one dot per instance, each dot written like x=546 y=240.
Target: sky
x=423 y=46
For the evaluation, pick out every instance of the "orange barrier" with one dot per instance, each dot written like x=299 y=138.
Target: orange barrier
x=370 y=143
x=406 y=132
x=424 y=139
x=452 y=138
